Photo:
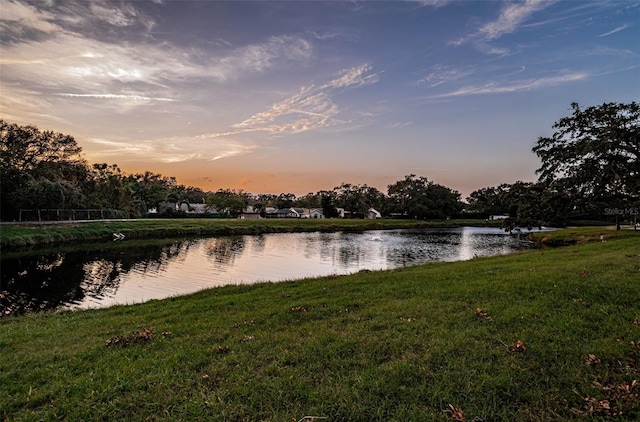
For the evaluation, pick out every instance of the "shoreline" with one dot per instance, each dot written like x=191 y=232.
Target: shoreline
x=20 y=235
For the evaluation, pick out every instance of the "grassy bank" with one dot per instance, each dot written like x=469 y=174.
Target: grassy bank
x=581 y=235
x=544 y=335
x=19 y=235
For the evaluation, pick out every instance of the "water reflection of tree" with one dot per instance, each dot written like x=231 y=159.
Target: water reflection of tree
x=102 y=277
x=258 y=243
x=224 y=250
x=38 y=282
x=419 y=247
x=350 y=254
x=326 y=245
x=343 y=248
x=47 y=281
x=158 y=259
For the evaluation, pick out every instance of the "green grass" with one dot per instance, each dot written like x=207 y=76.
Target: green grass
x=20 y=235
x=397 y=345
x=580 y=235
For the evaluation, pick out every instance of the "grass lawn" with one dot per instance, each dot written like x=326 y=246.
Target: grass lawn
x=545 y=335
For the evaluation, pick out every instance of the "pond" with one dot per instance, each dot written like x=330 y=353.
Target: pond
x=127 y=272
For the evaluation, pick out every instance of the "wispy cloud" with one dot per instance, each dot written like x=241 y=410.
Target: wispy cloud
x=512 y=17
x=441 y=74
x=259 y=57
x=171 y=149
x=117 y=97
x=70 y=62
x=22 y=21
x=18 y=19
x=613 y=31
x=613 y=52
x=306 y=110
x=100 y=56
x=355 y=76
x=434 y=3
x=122 y=16
x=398 y=125
x=311 y=108
x=516 y=86
x=62 y=59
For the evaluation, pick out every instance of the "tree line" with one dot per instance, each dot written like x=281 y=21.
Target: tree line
x=589 y=170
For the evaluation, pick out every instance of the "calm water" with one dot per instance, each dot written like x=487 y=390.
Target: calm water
x=126 y=272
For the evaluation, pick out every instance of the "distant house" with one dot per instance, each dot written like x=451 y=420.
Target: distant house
x=164 y=206
x=498 y=217
x=300 y=212
x=250 y=213
x=373 y=214
x=184 y=207
x=294 y=213
x=196 y=208
x=313 y=213
x=288 y=213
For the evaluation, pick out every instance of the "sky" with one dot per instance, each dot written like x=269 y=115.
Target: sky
x=301 y=96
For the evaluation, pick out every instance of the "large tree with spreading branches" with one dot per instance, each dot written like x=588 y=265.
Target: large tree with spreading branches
x=593 y=158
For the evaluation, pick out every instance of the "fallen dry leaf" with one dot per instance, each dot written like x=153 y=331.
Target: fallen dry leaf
x=617 y=398
x=602 y=407
x=517 y=347
x=481 y=314
x=143 y=335
x=456 y=414
x=591 y=359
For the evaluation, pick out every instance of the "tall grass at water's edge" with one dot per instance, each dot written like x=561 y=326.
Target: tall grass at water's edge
x=544 y=335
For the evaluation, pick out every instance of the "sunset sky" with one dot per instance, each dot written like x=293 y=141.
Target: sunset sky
x=300 y=96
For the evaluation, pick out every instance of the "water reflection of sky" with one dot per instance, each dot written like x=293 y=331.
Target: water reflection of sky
x=188 y=266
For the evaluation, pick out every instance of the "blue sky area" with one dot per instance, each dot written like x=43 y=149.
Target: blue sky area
x=300 y=96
